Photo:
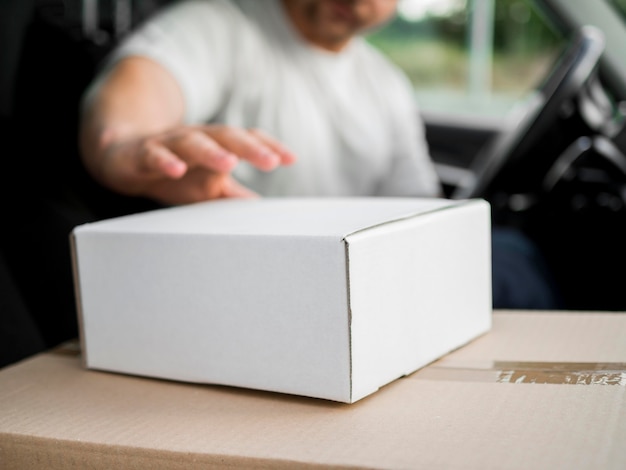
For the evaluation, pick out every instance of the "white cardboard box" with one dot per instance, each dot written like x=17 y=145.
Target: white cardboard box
x=326 y=298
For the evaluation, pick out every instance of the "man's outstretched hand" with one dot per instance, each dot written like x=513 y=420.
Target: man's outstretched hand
x=188 y=163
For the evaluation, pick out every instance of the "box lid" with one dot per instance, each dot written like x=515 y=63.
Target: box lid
x=274 y=216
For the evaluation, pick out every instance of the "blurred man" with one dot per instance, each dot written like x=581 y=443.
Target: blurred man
x=176 y=115
x=219 y=98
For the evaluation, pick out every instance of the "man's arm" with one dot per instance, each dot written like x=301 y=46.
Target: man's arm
x=133 y=140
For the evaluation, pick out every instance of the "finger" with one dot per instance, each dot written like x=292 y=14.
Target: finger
x=245 y=145
x=233 y=189
x=157 y=160
x=286 y=156
x=198 y=149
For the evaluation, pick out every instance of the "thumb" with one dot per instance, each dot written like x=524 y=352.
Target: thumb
x=233 y=189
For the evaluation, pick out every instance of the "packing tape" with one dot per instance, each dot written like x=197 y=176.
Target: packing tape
x=569 y=373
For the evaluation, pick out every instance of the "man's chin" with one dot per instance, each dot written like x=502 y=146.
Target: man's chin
x=337 y=34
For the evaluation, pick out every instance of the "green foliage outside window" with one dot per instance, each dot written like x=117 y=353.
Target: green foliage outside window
x=620 y=6
x=433 y=49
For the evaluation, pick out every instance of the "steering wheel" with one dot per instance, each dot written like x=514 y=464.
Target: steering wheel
x=502 y=161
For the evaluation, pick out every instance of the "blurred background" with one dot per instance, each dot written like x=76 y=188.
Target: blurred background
x=473 y=65
x=470 y=56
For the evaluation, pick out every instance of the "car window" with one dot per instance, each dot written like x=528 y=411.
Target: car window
x=470 y=56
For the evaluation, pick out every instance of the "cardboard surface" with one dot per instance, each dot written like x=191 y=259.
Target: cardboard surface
x=462 y=412
x=326 y=298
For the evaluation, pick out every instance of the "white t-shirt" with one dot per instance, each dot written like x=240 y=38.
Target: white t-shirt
x=349 y=117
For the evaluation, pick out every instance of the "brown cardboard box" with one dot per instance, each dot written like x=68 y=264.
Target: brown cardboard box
x=540 y=391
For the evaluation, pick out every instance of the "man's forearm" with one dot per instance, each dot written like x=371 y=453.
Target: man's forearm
x=135 y=99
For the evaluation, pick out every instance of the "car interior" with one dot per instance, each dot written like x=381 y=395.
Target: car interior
x=556 y=169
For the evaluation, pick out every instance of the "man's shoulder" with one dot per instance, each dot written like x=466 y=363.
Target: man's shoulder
x=196 y=20
x=203 y=9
